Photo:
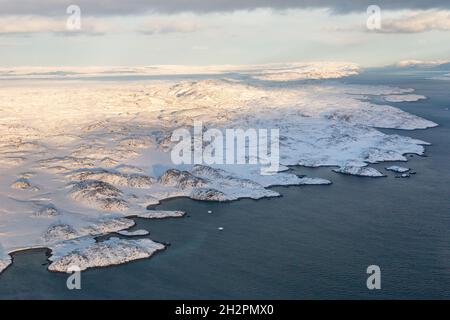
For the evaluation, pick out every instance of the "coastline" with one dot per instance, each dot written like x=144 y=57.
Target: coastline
x=416 y=133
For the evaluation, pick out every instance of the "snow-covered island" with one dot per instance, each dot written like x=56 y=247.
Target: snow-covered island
x=78 y=159
x=136 y=233
x=398 y=169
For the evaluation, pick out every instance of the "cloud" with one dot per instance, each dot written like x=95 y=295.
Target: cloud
x=165 y=26
x=418 y=22
x=410 y=22
x=5 y=44
x=29 y=25
x=121 y=7
x=200 y=48
x=26 y=25
x=421 y=63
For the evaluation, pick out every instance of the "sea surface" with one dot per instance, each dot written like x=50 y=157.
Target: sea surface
x=314 y=242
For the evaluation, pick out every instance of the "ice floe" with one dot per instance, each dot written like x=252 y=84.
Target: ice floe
x=398 y=169
x=135 y=233
x=404 y=98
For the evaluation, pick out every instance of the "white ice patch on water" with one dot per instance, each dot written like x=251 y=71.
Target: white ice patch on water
x=161 y=214
x=404 y=98
x=398 y=169
x=135 y=233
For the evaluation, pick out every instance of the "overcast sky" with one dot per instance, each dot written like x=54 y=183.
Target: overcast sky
x=146 y=32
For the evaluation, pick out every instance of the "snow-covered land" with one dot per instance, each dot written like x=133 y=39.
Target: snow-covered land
x=86 y=253
x=274 y=71
x=78 y=158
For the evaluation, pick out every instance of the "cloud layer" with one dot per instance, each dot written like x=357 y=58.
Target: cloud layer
x=119 y=7
x=164 y=26
x=418 y=22
x=25 y=25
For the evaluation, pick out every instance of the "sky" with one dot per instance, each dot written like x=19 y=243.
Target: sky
x=205 y=32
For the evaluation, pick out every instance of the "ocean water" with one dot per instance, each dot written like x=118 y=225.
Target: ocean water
x=314 y=242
